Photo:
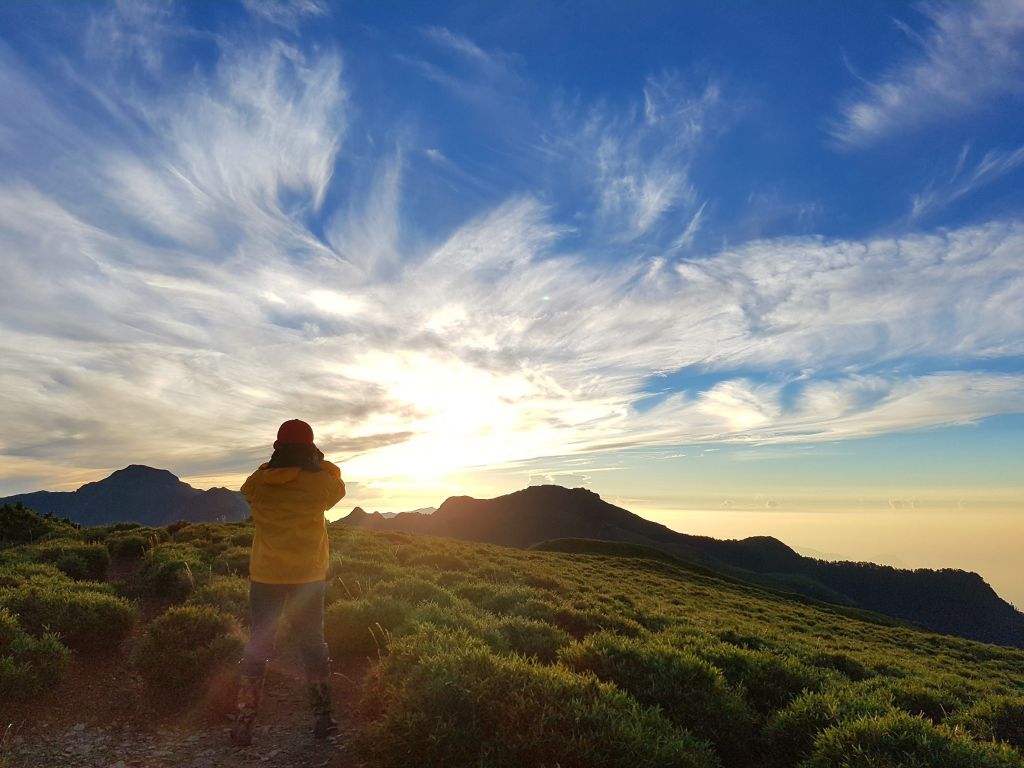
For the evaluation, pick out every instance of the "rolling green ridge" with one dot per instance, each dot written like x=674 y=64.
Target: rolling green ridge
x=949 y=601
x=773 y=586
x=491 y=656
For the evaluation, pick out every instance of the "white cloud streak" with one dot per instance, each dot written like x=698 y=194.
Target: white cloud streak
x=969 y=56
x=287 y=14
x=460 y=44
x=173 y=303
x=854 y=406
x=488 y=79
x=639 y=159
x=962 y=181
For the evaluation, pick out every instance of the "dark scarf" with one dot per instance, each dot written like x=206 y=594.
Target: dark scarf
x=305 y=457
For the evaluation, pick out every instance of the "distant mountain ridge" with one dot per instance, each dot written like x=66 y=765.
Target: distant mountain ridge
x=138 y=494
x=948 y=601
x=388 y=515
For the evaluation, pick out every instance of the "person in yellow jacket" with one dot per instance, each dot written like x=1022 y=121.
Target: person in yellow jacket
x=288 y=566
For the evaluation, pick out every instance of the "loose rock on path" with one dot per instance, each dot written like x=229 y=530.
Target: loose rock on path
x=98 y=717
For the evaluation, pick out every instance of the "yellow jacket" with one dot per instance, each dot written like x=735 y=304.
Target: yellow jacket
x=288 y=504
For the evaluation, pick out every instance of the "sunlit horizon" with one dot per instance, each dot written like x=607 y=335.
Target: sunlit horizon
x=744 y=292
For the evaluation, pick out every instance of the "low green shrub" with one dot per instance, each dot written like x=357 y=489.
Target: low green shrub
x=339 y=589
x=209 y=537
x=94 y=533
x=496 y=570
x=228 y=594
x=233 y=560
x=497 y=598
x=20 y=525
x=15 y=574
x=415 y=590
x=130 y=545
x=689 y=691
x=769 y=680
x=899 y=740
x=9 y=628
x=926 y=697
x=27 y=664
x=441 y=561
x=172 y=570
x=742 y=639
x=352 y=577
x=546 y=581
x=578 y=623
x=241 y=539
x=532 y=638
x=183 y=650
x=461 y=615
x=21 y=574
x=396 y=537
x=999 y=718
x=503 y=634
x=791 y=732
x=442 y=698
x=452 y=579
x=77 y=559
x=843 y=663
x=83 y=619
x=126 y=526
x=176 y=526
x=361 y=627
x=101 y=533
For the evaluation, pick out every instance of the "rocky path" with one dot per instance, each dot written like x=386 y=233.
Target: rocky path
x=98 y=717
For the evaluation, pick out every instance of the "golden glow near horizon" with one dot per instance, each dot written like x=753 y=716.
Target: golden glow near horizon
x=581 y=296
x=924 y=537
x=459 y=416
x=906 y=526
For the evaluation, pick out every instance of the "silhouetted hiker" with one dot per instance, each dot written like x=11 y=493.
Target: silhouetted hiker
x=288 y=565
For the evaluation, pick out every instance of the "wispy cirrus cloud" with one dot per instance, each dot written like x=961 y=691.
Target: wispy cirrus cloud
x=132 y=30
x=968 y=56
x=170 y=299
x=287 y=14
x=630 y=162
x=485 y=78
x=638 y=158
x=852 y=406
x=494 y=346
x=964 y=180
x=493 y=64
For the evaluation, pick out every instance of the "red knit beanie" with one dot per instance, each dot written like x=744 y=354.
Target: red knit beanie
x=294 y=431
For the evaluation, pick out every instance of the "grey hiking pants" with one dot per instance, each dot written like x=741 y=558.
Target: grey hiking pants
x=303 y=604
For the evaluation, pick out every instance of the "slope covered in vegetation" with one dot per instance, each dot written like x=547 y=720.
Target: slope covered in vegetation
x=484 y=655
x=949 y=601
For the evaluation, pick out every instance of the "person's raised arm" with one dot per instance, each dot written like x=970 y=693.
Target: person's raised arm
x=335 y=490
x=249 y=487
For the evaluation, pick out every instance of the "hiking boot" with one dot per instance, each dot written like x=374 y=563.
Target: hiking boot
x=250 y=690
x=320 y=701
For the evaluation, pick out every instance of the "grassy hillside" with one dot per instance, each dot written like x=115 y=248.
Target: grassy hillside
x=948 y=601
x=488 y=656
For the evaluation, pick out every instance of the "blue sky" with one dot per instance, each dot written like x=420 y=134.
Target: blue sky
x=478 y=244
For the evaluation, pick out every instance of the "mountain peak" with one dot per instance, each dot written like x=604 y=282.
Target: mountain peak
x=550 y=490
x=138 y=493
x=142 y=472
x=768 y=543
x=538 y=497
